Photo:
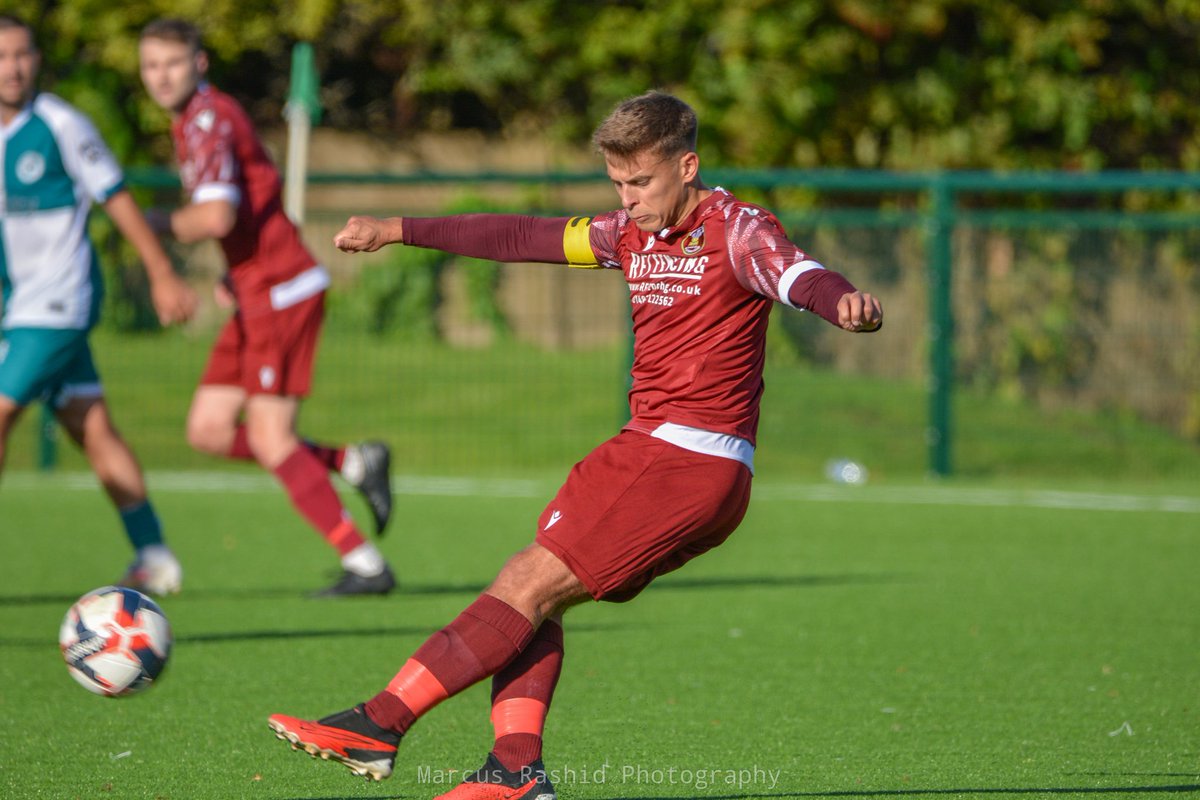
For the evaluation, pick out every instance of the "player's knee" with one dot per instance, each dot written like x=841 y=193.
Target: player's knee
x=269 y=446
x=538 y=584
x=209 y=436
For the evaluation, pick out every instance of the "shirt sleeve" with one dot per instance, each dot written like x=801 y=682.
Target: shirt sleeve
x=767 y=263
x=604 y=237
x=508 y=237
x=88 y=160
x=211 y=168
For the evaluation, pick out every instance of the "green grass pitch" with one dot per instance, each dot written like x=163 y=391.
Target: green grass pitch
x=847 y=642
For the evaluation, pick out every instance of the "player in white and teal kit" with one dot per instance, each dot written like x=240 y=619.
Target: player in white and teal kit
x=54 y=166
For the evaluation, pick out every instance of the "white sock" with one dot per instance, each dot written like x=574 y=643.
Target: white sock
x=353 y=468
x=155 y=554
x=364 y=560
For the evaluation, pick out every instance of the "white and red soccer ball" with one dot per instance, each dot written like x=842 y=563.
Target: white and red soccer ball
x=115 y=641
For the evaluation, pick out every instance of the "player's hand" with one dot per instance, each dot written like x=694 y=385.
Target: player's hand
x=859 y=312
x=367 y=234
x=173 y=299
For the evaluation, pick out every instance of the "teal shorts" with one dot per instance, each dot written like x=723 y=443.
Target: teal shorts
x=48 y=364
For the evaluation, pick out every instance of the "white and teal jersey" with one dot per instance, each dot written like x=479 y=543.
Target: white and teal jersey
x=55 y=166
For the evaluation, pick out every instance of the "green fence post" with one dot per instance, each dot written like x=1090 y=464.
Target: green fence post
x=941 y=327
x=47 y=444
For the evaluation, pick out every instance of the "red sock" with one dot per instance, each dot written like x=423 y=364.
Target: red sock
x=240 y=449
x=479 y=642
x=331 y=457
x=312 y=494
x=521 y=694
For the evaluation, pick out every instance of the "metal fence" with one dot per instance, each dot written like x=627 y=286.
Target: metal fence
x=1059 y=290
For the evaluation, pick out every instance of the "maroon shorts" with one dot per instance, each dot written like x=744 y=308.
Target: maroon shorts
x=638 y=507
x=271 y=353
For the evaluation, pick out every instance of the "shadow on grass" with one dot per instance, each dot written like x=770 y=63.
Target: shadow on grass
x=1076 y=790
x=665 y=584
x=771 y=581
x=221 y=637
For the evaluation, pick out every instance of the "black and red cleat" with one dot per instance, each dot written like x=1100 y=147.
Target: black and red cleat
x=349 y=737
x=493 y=781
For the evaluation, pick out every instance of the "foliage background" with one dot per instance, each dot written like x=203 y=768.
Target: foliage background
x=864 y=83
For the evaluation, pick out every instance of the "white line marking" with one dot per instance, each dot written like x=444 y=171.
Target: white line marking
x=238 y=482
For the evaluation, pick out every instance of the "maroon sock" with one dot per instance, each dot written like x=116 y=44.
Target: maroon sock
x=312 y=494
x=480 y=641
x=521 y=694
x=331 y=457
x=240 y=449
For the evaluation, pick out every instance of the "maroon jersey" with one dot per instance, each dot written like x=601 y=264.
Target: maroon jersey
x=221 y=158
x=701 y=294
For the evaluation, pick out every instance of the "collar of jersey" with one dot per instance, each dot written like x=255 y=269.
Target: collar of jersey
x=689 y=222
x=19 y=120
x=202 y=90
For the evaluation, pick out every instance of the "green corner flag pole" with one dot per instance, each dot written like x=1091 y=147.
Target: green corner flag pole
x=303 y=110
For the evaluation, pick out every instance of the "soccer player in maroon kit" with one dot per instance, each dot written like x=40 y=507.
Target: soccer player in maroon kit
x=703 y=270
x=261 y=365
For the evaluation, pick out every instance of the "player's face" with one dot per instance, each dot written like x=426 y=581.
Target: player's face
x=171 y=72
x=18 y=70
x=653 y=189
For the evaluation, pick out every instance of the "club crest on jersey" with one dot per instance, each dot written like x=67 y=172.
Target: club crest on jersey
x=204 y=120
x=30 y=166
x=694 y=242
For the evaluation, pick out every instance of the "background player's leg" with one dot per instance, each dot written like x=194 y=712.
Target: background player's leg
x=215 y=426
x=9 y=413
x=270 y=431
x=88 y=423
x=213 y=422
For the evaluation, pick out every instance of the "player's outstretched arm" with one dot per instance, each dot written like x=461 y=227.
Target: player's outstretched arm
x=173 y=299
x=368 y=234
x=496 y=237
x=859 y=312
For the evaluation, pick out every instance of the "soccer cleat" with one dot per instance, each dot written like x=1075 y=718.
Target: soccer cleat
x=349 y=737
x=367 y=468
x=351 y=583
x=155 y=571
x=493 y=782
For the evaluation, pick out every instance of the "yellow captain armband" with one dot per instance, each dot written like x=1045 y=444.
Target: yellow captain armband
x=576 y=246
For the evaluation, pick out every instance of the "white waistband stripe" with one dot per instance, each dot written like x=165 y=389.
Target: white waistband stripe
x=308 y=283
x=698 y=440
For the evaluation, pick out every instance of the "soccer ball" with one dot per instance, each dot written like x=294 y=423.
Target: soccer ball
x=115 y=641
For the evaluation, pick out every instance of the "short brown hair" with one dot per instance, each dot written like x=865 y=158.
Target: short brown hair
x=10 y=22
x=653 y=122
x=174 y=30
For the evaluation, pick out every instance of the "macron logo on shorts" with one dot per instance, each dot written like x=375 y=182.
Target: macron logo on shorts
x=266 y=377
x=555 y=517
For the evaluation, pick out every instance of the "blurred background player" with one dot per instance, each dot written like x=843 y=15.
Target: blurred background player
x=55 y=166
x=704 y=270
x=261 y=364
